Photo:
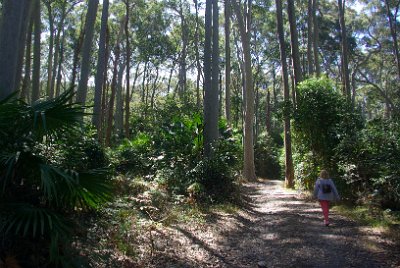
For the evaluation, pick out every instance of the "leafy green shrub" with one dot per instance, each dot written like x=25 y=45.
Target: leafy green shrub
x=266 y=155
x=37 y=189
x=370 y=162
x=135 y=155
x=322 y=120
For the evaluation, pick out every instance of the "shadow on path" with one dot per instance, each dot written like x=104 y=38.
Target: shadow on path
x=277 y=227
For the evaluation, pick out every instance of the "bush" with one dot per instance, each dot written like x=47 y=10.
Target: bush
x=322 y=120
x=266 y=155
x=37 y=188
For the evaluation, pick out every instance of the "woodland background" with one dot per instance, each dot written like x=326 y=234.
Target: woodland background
x=174 y=102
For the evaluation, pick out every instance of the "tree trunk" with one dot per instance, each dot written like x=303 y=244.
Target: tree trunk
x=75 y=61
x=10 y=36
x=198 y=64
x=28 y=62
x=119 y=111
x=59 y=68
x=310 y=15
x=244 y=30
x=57 y=53
x=86 y=50
x=294 y=44
x=101 y=68
x=268 y=113
x=112 y=100
x=183 y=54
x=128 y=70
x=289 y=172
x=393 y=31
x=210 y=91
x=315 y=38
x=26 y=21
x=36 y=52
x=227 y=61
x=49 y=91
x=344 y=48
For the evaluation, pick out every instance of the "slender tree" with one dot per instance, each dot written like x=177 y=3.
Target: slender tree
x=11 y=30
x=36 y=52
x=128 y=70
x=210 y=90
x=315 y=37
x=86 y=50
x=344 y=48
x=101 y=67
x=289 y=171
x=228 y=61
x=244 y=25
x=294 y=44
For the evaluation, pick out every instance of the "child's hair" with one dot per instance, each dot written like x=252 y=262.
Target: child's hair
x=324 y=174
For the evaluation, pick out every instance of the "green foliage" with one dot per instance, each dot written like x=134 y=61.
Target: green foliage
x=370 y=162
x=322 y=120
x=266 y=155
x=37 y=186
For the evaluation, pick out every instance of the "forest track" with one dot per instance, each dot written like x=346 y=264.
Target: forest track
x=278 y=228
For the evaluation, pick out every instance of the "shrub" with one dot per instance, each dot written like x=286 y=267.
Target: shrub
x=266 y=155
x=37 y=189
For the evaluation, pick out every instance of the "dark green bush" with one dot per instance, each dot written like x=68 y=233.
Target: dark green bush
x=37 y=188
x=322 y=120
x=266 y=155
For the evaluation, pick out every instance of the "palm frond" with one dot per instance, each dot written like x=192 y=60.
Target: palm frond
x=58 y=115
x=25 y=219
x=68 y=188
x=7 y=165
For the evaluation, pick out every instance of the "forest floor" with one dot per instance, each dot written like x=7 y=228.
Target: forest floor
x=275 y=228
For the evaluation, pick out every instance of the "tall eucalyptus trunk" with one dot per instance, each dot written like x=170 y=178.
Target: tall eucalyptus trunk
x=210 y=91
x=36 y=52
x=315 y=37
x=294 y=44
x=128 y=70
x=227 y=61
x=86 y=51
x=345 y=51
x=289 y=171
x=11 y=27
x=101 y=67
x=310 y=62
x=244 y=25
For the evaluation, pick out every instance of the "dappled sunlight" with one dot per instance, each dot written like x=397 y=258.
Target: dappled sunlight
x=281 y=230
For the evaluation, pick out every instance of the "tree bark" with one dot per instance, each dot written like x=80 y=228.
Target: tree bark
x=51 y=48
x=86 y=50
x=244 y=30
x=344 y=48
x=227 y=61
x=198 y=64
x=310 y=16
x=183 y=54
x=316 y=38
x=289 y=171
x=128 y=70
x=210 y=92
x=26 y=83
x=101 y=68
x=36 y=52
x=10 y=34
x=294 y=44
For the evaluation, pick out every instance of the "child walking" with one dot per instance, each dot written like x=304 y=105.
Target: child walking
x=325 y=191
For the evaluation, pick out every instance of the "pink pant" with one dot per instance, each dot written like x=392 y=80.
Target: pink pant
x=325 y=209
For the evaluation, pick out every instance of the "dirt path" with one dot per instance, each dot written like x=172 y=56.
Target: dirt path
x=279 y=229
